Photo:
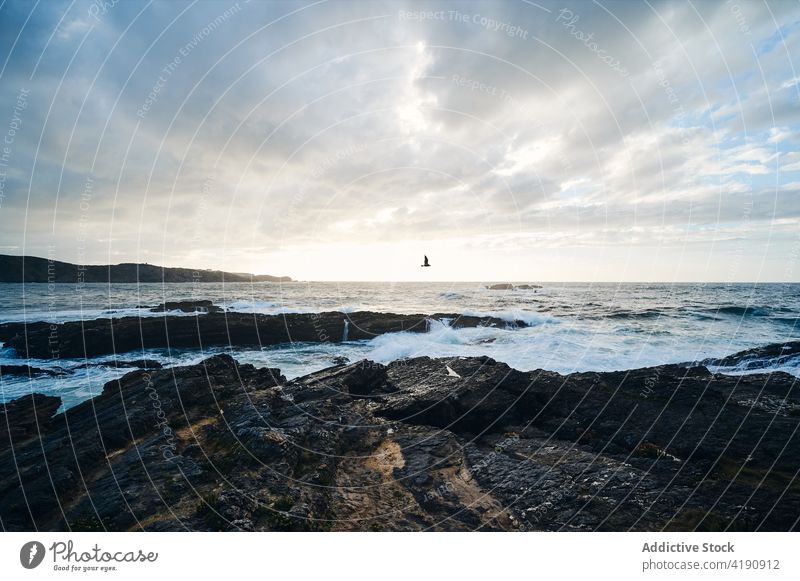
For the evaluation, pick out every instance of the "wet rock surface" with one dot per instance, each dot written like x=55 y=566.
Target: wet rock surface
x=107 y=336
x=189 y=306
x=27 y=370
x=408 y=446
x=123 y=364
x=774 y=355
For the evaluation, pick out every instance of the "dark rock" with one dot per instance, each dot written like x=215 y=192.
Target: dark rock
x=509 y=286
x=28 y=370
x=106 y=336
x=485 y=396
x=128 y=438
x=775 y=355
x=366 y=378
x=408 y=446
x=189 y=306
x=362 y=379
x=122 y=364
x=26 y=416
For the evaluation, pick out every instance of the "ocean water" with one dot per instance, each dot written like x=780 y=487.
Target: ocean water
x=571 y=326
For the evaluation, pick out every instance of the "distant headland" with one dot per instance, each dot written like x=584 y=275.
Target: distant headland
x=35 y=269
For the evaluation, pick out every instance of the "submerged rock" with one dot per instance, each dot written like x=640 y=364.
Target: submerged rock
x=408 y=446
x=28 y=370
x=123 y=364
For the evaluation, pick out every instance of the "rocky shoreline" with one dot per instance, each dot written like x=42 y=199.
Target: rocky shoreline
x=41 y=340
x=419 y=444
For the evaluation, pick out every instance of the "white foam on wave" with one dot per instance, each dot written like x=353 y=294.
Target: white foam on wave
x=441 y=340
x=530 y=318
x=790 y=365
x=560 y=348
x=250 y=306
x=525 y=349
x=790 y=369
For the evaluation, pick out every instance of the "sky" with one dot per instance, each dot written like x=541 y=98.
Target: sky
x=332 y=140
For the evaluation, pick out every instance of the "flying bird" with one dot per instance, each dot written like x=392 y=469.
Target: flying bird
x=426 y=263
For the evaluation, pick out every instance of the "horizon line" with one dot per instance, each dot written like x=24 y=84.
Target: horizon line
x=496 y=281
x=499 y=281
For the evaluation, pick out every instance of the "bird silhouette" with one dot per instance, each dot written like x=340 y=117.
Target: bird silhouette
x=426 y=263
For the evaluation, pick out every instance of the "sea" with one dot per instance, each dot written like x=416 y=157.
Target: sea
x=569 y=326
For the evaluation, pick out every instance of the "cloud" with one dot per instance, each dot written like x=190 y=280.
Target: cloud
x=227 y=132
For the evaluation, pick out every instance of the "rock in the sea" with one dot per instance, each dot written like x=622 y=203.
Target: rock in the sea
x=28 y=370
x=189 y=306
x=124 y=364
x=125 y=334
x=509 y=286
x=405 y=447
x=769 y=356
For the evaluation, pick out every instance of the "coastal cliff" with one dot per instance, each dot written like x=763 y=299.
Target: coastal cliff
x=33 y=269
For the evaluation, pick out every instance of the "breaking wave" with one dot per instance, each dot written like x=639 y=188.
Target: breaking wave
x=746 y=311
x=530 y=318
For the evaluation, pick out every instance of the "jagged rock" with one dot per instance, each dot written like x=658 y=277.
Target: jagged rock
x=107 y=336
x=361 y=379
x=486 y=394
x=408 y=446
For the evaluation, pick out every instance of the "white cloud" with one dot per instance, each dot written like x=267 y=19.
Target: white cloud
x=346 y=124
